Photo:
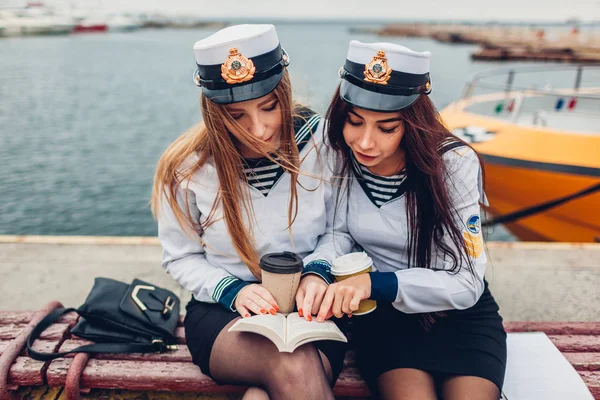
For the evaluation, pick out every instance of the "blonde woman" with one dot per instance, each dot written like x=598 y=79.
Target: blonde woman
x=246 y=182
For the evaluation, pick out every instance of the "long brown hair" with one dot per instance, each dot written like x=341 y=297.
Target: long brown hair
x=429 y=209
x=211 y=138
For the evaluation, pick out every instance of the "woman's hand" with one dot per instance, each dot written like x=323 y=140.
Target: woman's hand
x=309 y=296
x=257 y=299
x=344 y=297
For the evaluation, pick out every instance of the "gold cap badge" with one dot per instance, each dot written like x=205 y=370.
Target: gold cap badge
x=377 y=71
x=237 y=68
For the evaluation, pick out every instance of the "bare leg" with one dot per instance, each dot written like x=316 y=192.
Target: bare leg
x=250 y=359
x=406 y=383
x=469 y=388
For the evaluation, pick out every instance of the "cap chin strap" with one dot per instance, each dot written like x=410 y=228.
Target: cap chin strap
x=387 y=89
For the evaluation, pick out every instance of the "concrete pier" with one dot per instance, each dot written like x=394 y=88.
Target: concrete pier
x=531 y=281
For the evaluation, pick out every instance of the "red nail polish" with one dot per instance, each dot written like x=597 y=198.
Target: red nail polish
x=263 y=311
x=300 y=313
x=309 y=318
x=247 y=315
x=272 y=311
x=276 y=308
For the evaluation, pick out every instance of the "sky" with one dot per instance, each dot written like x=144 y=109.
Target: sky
x=501 y=10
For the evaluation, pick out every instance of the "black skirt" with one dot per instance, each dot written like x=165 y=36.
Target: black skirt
x=469 y=342
x=204 y=321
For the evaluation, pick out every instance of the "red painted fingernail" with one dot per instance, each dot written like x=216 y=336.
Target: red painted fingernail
x=263 y=311
x=309 y=318
x=276 y=308
x=300 y=313
x=247 y=315
x=272 y=311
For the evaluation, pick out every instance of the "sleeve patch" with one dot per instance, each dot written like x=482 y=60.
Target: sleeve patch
x=473 y=244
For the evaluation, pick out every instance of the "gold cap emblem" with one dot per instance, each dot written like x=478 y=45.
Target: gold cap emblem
x=237 y=68
x=377 y=71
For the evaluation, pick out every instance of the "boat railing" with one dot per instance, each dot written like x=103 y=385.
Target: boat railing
x=535 y=96
x=545 y=79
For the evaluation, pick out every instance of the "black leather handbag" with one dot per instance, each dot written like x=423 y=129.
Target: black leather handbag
x=120 y=318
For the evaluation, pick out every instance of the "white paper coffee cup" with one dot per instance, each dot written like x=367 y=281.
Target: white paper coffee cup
x=281 y=274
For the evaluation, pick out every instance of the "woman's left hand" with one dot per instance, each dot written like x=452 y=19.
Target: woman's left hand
x=344 y=297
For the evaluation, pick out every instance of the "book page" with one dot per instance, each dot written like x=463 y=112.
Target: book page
x=272 y=327
x=301 y=331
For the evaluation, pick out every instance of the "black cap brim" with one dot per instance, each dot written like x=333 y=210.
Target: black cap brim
x=245 y=92
x=374 y=101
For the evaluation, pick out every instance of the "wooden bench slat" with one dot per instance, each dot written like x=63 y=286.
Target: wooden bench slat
x=576 y=343
x=26 y=372
x=44 y=346
x=584 y=361
x=550 y=328
x=138 y=375
x=182 y=354
x=15 y=317
x=350 y=384
x=24 y=317
x=56 y=374
x=171 y=376
x=592 y=380
x=555 y=328
x=54 y=331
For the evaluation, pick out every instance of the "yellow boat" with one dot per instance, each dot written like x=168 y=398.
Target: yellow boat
x=540 y=146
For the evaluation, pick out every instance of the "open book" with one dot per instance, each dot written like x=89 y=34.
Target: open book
x=289 y=332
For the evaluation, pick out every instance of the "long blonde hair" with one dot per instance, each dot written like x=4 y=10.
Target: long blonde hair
x=211 y=137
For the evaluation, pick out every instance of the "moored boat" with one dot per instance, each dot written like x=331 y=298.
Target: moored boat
x=540 y=145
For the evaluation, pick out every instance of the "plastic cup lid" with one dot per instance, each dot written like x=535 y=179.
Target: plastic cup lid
x=285 y=262
x=351 y=263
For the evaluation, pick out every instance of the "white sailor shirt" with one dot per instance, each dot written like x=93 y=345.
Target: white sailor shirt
x=208 y=264
x=378 y=222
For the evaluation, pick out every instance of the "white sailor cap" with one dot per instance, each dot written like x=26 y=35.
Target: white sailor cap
x=239 y=63
x=384 y=76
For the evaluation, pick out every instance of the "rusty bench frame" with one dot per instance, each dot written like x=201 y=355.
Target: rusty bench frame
x=578 y=341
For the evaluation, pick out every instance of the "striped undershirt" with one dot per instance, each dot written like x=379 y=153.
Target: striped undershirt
x=379 y=189
x=262 y=173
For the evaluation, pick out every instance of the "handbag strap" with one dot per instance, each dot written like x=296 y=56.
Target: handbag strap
x=113 y=348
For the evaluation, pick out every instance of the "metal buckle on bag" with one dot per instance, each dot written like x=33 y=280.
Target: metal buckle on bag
x=168 y=346
x=135 y=292
x=168 y=307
